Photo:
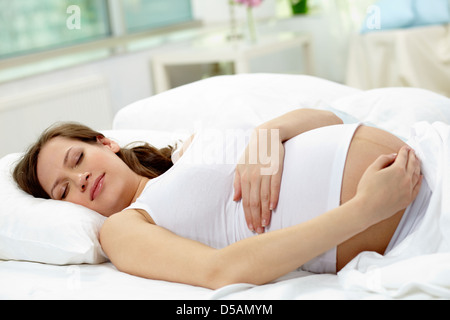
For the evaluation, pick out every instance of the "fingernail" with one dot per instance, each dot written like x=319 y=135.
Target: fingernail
x=271 y=207
x=264 y=223
x=260 y=230
x=250 y=226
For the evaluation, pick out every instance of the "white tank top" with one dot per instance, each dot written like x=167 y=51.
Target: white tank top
x=194 y=198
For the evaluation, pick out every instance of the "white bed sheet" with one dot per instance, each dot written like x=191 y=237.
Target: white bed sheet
x=27 y=280
x=253 y=99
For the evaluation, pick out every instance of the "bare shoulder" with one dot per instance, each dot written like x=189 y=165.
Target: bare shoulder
x=138 y=247
x=120 y=222
x=125 y=236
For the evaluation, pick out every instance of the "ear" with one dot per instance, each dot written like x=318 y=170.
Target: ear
x=111 y=144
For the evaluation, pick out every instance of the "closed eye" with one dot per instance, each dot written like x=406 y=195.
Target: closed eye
x=65 y=192
x=80 y=158
x=66 y=188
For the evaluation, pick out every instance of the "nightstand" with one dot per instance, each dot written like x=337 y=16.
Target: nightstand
x=215 y=48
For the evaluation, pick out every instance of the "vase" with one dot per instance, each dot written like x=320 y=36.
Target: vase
x=234 y=34
x=251 y=25
x=299 y=6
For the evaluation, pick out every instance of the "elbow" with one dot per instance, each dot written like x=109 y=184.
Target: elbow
x=223 y=278
x=333 y=118
x=219 y=273
x=338 y=120
x=227 y=271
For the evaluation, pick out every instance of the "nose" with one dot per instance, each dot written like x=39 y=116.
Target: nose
x=83 y=180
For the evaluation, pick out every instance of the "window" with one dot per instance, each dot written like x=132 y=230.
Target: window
x=150 y=14
x=29 y=26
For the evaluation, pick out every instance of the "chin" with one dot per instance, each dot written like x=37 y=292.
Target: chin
x=110 y=211
x=107 y=214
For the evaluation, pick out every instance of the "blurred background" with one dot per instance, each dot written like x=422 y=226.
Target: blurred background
x=84 y=60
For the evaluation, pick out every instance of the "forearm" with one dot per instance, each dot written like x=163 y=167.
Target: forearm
x=299 y=121
x=266 y=257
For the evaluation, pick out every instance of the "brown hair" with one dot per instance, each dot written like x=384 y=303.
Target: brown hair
x=143 y=159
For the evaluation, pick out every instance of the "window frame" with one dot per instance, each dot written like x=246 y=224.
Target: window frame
x=116 y=43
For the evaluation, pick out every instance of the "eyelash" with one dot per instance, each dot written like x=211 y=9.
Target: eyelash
x=80 y=158
x=67 y=188
x=66 y=192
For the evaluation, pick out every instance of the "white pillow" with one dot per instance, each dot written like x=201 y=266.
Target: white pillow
x=49 y=231
x=249 y=99
x=396 y=109
x=45 y=231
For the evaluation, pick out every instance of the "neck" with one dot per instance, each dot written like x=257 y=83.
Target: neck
x=142 y=182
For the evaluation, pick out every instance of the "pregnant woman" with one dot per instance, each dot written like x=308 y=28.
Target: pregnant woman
x=323 y=193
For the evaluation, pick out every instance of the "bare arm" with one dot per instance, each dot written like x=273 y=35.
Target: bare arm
x=260 y=192
x=299 y=121
x=140 y=248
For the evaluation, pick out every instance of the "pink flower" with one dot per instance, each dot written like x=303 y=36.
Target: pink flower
x=250 y=3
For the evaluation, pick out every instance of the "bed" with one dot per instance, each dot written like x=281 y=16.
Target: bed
x=50 y=250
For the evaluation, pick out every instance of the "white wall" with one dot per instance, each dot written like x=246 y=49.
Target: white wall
x=129 y=75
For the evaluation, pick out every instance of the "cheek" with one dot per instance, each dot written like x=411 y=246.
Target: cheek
x=108 y=161
x=97 y=206
x=77 y=198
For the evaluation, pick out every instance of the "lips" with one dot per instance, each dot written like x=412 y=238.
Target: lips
x=97 y=187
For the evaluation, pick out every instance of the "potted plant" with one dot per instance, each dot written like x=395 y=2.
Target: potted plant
x=299 y=6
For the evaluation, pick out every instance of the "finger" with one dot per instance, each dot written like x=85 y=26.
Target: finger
x=416 y=189
x=245 y=190
x=418 y=172
x=275 y=185
x=382 y=162
x=413 y=163
x=265 y=201
x=403 y=156
x=237 y=186
x=255 y=204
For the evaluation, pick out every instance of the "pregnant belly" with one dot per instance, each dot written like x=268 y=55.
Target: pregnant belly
x=367 y=145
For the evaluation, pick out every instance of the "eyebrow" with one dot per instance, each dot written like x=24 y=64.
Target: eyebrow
x=58 y=181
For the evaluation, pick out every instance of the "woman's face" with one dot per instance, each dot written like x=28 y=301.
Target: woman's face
x=91 y=175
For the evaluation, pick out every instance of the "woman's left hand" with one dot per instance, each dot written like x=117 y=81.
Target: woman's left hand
x=258 y=178
x=390 y=184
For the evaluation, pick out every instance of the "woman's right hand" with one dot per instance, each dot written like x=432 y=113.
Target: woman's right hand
x=390 y=184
